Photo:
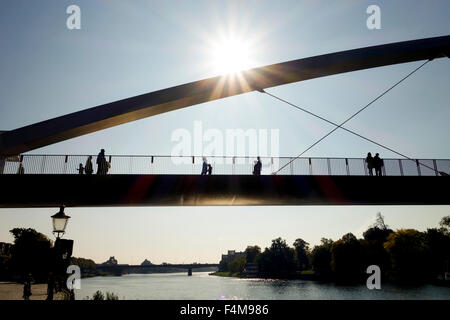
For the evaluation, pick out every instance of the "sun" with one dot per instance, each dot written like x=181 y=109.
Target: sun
x=231 y=56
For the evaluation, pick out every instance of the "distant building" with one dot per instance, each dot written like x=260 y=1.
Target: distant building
x=146 y=263
x=232 y=254
x=111 y=262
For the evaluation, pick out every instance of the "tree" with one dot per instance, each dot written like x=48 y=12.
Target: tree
x=31 y=253
x=407 y=249
x=278 y=260
x=374 y=238
x=321 y=258
x=237 y=265
x=301 y=253
x=379 y=231
x=5 y=272
x=84 y=264
x=347 y=259
x=252 y=253
x=223 y=266
x=445 y=223
x=438 y=254
x=380 y=222
x=376 y=234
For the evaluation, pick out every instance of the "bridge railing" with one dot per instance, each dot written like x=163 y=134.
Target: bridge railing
x=188 y=165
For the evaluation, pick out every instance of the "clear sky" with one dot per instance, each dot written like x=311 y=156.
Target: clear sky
x=129 y=48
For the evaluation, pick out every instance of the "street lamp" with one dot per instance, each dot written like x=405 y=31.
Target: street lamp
x=60 y=254
x=59 y=222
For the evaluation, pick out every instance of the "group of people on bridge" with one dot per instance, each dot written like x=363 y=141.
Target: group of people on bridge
x=207 y=167
x=374 y=163
x=102 y=165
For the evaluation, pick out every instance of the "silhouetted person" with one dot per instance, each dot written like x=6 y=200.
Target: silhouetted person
x=102 y=165
x=72 y=295
x=21 y=169
x=80 y=169
x=204 y=167
x=378 y=164
x=257 y=167
x=88 y=166
x=50 y=286
x=27 y=288
x=209 y=170
x=369 y=161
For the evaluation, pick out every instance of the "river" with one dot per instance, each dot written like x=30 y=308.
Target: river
x=201 y=286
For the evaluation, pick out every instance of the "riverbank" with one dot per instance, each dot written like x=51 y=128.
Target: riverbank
x=311 y=276
x=14 y=291
x=303 y=275
x=226 y=274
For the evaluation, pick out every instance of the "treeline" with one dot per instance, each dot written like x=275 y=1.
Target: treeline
x=88 y=267
x=405 y=255
x=31 y=254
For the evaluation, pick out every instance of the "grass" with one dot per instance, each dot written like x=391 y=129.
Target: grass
x=307 y=272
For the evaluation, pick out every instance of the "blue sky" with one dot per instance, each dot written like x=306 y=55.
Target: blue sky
x=128 y=48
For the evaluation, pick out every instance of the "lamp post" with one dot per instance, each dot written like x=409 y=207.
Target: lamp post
x=61 y=252
x=59 y=220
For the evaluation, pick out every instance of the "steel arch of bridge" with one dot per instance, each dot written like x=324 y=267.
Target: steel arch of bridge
x=111 y=114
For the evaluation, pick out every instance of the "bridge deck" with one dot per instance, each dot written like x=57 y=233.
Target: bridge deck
x=188 y=165
x=219 y=190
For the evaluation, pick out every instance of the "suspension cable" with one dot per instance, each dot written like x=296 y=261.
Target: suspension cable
x=337 y=126
x=352 y=132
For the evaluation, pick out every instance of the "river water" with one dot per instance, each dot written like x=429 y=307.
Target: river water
x=201 y=286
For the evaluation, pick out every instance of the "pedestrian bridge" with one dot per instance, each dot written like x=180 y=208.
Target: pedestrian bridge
x=53 y=180
x=222 y=165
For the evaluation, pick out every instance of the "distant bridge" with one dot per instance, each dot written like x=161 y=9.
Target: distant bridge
x=125 y=268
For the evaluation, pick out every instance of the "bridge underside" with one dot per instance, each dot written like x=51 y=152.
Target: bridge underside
x=18 y=191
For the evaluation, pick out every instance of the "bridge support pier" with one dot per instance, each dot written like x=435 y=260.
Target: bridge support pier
x=190 y=272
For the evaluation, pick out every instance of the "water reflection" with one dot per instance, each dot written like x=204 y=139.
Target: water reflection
x=201 y=286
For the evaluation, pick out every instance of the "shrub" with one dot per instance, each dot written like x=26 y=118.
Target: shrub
x=98 y=295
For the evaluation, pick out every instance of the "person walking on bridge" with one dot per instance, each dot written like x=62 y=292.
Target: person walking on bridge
x=257 y=168
x=369 y=161
x=102 y=166
x=80 y=169
x=204 y=167
x=88 y=166
x=378 y=163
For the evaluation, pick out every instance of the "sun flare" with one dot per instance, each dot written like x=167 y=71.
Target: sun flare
x=231 y=56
